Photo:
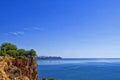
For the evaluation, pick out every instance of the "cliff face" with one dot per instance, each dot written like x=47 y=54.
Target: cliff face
x=18 y=68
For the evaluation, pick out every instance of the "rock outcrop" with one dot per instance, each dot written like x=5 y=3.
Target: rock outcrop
x=19 y=68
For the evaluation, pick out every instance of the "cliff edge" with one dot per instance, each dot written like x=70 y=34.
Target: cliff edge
x=18 y=68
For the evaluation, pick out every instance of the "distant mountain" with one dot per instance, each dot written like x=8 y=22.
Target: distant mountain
x=48 y=57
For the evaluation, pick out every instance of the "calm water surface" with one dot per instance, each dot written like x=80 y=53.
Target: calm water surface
x=80 y=69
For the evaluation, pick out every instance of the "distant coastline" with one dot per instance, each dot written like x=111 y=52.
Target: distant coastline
x=48 y=57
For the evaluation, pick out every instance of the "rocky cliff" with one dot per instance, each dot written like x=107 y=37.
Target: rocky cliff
x=19 y=68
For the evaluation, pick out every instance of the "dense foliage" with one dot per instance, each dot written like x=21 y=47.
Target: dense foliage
x=8 y=49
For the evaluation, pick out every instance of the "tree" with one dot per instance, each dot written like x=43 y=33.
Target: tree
x=8 y=49
x=12 y=53
x=21 y=52
x=2 y=53
x=31 y=52
x=11 y=50
x=8 y=46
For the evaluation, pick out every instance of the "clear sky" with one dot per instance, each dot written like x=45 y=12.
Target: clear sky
x=66 y=28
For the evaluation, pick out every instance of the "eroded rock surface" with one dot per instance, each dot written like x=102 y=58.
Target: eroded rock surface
x=19 y=68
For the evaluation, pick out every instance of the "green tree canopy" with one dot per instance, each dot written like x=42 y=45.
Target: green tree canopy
x=31 y=52
x=12 y=53
x=11 y=50
x=21 y=52
x=2 y=53
x=8 y=46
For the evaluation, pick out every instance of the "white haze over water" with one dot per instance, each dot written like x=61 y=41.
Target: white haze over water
x=77 y=61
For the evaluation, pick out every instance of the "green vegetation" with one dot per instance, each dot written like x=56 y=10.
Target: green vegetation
x=8 y=49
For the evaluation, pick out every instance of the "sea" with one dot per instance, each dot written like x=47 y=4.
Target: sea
x=80 y=69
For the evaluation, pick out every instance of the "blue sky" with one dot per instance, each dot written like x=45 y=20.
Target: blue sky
x=66 y=28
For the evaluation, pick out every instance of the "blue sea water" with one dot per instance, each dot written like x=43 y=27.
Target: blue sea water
x=80 y=69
